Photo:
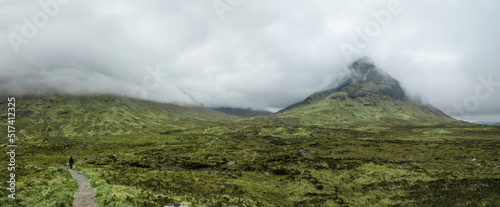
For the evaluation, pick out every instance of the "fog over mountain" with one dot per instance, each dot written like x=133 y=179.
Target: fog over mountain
x=252 y=54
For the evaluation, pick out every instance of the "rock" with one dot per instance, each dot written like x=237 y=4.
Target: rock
x=305 y=153
x=176 y=205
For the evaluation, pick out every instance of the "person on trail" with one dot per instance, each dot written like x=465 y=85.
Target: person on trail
x=71 y=162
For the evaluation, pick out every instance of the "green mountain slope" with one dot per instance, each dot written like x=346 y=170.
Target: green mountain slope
x=366 y=95
x=94 y=115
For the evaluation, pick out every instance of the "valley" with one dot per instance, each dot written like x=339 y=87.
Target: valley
x=280 y=165
x=362 y=143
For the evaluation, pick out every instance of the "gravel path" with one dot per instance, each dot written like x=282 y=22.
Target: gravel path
x=85 y=195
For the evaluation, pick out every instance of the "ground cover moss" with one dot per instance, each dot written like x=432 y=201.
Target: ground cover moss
x=330 y=167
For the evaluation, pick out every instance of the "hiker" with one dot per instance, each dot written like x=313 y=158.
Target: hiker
x=71 y=162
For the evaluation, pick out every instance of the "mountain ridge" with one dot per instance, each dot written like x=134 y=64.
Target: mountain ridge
x=98 y=115
x=366 y=94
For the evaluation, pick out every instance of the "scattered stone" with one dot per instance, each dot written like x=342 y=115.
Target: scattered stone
x=176 y=205
x=305 y=153
x=150 y=160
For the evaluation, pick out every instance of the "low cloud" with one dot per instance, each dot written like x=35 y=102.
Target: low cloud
x=261 y=54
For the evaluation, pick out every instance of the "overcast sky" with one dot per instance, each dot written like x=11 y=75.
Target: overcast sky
x=252 y=53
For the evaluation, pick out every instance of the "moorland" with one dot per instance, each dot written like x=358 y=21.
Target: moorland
x=143 y=153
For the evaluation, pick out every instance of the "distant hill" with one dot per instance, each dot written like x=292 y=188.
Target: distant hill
x=487 y=123
x=366 y=95
x=95 y=115
x=241 y=112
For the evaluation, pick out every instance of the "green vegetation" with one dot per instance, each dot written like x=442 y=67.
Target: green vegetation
x=139 y=153
x=367 y=96
x=40 y=186
x=56 y=116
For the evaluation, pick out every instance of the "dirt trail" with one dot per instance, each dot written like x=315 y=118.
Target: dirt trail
x=85 y=195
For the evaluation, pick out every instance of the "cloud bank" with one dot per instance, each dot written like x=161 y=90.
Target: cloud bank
x=252 y=54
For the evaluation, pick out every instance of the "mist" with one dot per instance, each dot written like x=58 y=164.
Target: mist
x=252 y=54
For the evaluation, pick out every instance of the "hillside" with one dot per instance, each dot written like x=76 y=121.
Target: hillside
x=142 y=153
x=366 y=95
x=92 y=115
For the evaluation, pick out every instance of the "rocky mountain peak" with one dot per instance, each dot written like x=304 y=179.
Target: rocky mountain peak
x=363 y=65
x=365 y=79
x=365 y=94
x=364 y=70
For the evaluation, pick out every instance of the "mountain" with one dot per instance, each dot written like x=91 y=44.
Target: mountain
x=241 y=112
x=487 y=123
x=50 y=116
x=366 y=95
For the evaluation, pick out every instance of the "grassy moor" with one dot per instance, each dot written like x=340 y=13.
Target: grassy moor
x=362 y=143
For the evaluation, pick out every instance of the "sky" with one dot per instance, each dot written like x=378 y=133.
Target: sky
x=252 y=53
